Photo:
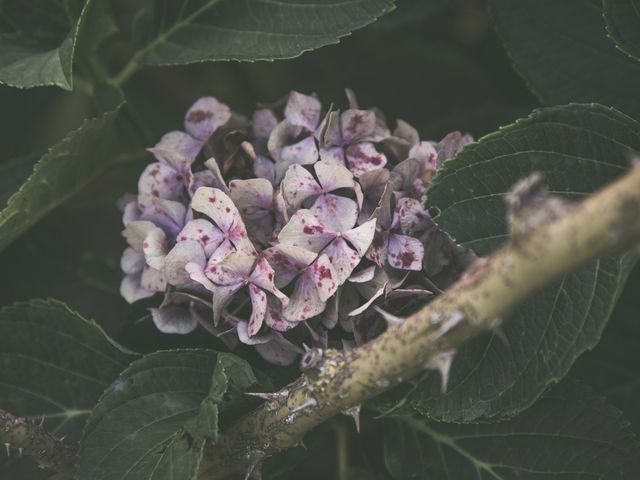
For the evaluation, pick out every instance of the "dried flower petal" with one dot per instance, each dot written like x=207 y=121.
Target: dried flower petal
x=174 y=319
x=205 y=116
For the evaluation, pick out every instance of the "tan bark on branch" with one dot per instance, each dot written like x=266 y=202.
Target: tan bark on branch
x=550 y=238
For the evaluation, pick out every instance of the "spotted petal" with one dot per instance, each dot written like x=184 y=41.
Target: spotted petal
x=343 y=258
x=174 y=265
x=298 y=185
x=263 y=276
x=204 y=232
x=336 y=212
x=205 y=116
x=274 y=318
x=324 y=276
x=304 y=152
x=152 y=280
x=174 y=319
x=333 y=177
x=179 y=142
x=357 y=125
x=303 y=110
x=136 y=232
x=363 y=157
x=304 y=302
x=378 y=251
x=234 y=268
x=216 y=205
x=259 y=310
x=332 y=155
x=168 y=214
x=161 y=180
x=155 y=248
x=305 y=230
x=288 y=261
x=405 y=252
x=426 y=154
x=412 y=216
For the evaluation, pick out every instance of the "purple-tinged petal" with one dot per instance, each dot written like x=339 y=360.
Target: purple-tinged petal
x=373 y=185
x=451 y=144
x=406 y=132
x=160 y=180
x=259 y=304
x=263 y=276
x=324 y=276
x=263 y=122
x=332 y=156
x=222 y=296
x=196 y=272
x=180 y=142
x=282 y=135
x=131 y=290
x=343 y=258
x=275 y=320
x=165 y=213
x=279 y=214
x=280 y=353
x=426 y=154
x=220 y=253
x=242 y=328
x=361 y=237
x=152 y=280
x=329 y=133
x=363 y=157
x=298 y=185
x=131 y=261
x=357 y=125
x=303 y=152
x=234 y=268
x=250 y=195
x=378 y=251
x=288 y=262
x=305 y=230
x=304 y=302
x=130 y=211
x=136 y=232
x=187 y=251
x=205 y=116
x=405 y=252
x=364 y=275
x=155 y=248
x=336 y=212
x=211 y=176
x=333 y=177
x=366 y=305
x=412 y=216
x=217 y=206
x=204 y=232
x=303 y=110
x=174 y=319
x=264 y=167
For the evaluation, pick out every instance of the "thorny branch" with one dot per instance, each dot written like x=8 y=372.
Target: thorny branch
x=550 y=237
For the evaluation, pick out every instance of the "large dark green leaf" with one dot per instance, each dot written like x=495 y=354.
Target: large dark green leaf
x=562 y=50
x=37 y=42
x=54 y=364
x=64 y=170
x=188 y=31
x=152 y=423
x=578 y=148
x=570 y=434
x=623 y=24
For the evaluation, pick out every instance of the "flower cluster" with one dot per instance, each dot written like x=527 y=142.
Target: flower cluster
x=274 y=231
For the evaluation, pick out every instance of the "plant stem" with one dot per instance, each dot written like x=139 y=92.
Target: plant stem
x=570 y=236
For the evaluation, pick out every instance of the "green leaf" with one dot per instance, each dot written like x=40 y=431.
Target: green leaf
x=188 y=31
x=37 y=43
x=153 y=422
x=55 y=364
x=562 y=51
x=63 y=171
x=569 y=434
x=623 y=23
x=579 y=148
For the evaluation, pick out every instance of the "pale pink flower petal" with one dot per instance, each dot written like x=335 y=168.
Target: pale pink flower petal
x=204 y=232
x=263 y=122
x=362 y=157
x=263 y=276
x=333 y=177
x=288 y=261
x=324 y=276
x=378 y=251
x=152 y=280
x=174 y=319
x=335 y=212
x=217 y=206
x=361 y=237
x=174 y=264
x=298 y=185
x=343 y=258
x=259 y=309
x=426 y=154
x=160 y=180
x=304 y=302
x=303 y=152
x=234 y=268
x=305 y=230
x=405 y=252
x=131 y=261
x=412 y=216
x=165 y=213
x=155 y=248
x=357 y=125
x=205 y=116
x=332 y=155
x=303 y=110
x=131 y=289
x=180 y=142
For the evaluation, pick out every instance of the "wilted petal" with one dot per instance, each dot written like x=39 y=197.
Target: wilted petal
x=182 y=253
x=373 y=184
x=179 y=142
x=333 y=177
x=263 y=122
x=152 y=280
x=205 y=116
x=242 y=328
x=451 y=144
x=305 y=230
x=131 y=290
x=336 y=212
x=263 y=276
x=196 y=272
x=378 y=251
x=277 y=352
x=343 y=258
x=275 y=320
x=357 y=125
x=155 y=248
x=408 y=292
x=250 y=195
x=216 y=205
x=160 y=180
x=131 y=261
x=406 y=132
x=362 y=236
x=282 y=135
x=259 y=304
x=412 y=216
x=234 y=268
x=363 y=157
x=211 y=176
x=332 y=155
x=136 y=232
x=303 y=110
x=366 y=305
x=324 y=276
x=363 y=275
x=304 y=302
x=298 y=185
x=426 y=154
x=264 y=167
x=174 y=319
x=204 y=232
x=288 y=261
x=405 y=252
x=166 y=213
x=329 y=132
x=220 y=253
x=304 y=152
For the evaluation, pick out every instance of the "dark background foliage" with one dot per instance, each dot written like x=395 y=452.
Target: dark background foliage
x=439 y=65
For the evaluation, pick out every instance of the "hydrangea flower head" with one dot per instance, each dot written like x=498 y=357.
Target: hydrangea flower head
x=301 y=226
